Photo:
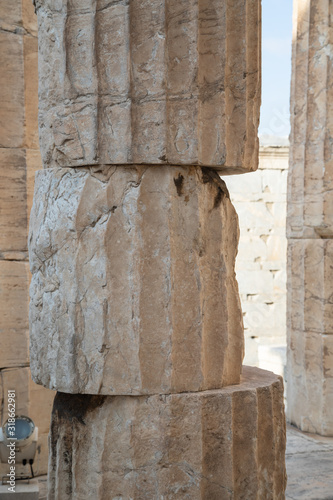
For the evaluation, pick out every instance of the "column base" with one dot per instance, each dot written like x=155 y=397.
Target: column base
x=219 y=444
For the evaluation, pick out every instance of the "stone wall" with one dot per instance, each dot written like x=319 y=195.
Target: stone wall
x=260 y=201
x=19 y=160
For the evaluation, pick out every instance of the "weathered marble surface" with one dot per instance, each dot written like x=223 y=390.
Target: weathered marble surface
x=310 y=381
x=133 y=285
x=310 y=199
x=310 y=285
x=310 y=222
x=208 y=445
x=310 y=334
x=14 y=326
x=149 y=81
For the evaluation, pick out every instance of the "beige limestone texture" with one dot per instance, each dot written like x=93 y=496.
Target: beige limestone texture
x=14 y=326
x=310 y=285
x=33 y=401
x=19 y=76
x=309 y=221
x=149 y=82
x=211 y=445
x=310 y=199
x=133 y=285
x=310 y=381
x=310 y=335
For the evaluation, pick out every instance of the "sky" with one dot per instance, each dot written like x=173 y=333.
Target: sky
x=276 y=67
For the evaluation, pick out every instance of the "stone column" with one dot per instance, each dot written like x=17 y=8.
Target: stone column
x=19 y=160
x=310 y=221
x=135 y=315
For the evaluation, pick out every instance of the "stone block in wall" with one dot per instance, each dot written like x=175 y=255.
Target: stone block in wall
x=33 y=164
x=12 y=90
x=134 y=267
x=274 y=182
x=276 y=252
x=256 y=312
x=18 y=168
x=10 y=18
x=310 y=381
x=13 y=201
x=274 y=157
x=252 y=250
x=222 y=444
x=257 y=282
x=310 y=285
x=30 y=51
x=14 y=327
x=33 y=401
x=312 y=217
x=255 y=215
x=171 y=82
x=19 y=75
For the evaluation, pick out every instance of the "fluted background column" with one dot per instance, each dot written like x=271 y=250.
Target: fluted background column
x=310 y=221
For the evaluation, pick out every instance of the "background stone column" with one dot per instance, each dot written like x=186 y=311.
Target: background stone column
x=310 y=221
x=135 y=315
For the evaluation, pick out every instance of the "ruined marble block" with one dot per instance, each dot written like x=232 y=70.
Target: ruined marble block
x=133 y=285
x=310 y=285
x=14 y=327
x=150 y=82
x=223 y=444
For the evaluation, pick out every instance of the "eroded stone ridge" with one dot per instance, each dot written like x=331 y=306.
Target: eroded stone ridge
x=208 y=445
x=149 y=82
x=133 y=286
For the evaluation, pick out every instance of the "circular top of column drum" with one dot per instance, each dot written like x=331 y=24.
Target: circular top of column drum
x=149 y=82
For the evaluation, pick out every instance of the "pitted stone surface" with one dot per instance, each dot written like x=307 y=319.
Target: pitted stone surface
x=133 y=288
x=149 y=82
x=207 y=445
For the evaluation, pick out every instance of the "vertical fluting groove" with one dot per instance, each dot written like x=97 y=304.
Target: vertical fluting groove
x=166 y=79
x=132 y=150
x=252 y=72
x=245 y=423
x=235 y=133
x=266 y=462
x=279 y=426
x=299 y=85
x=313 y=171
x=235 y=345
x=199 y=63
x=211 y=85
x=328 y=155
x=185 y=313
x=98 y=77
